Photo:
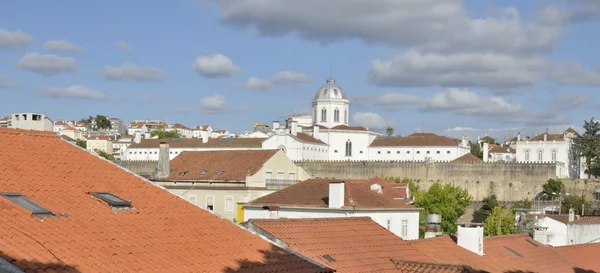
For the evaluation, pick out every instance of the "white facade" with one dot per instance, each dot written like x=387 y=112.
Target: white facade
x=549 y=148
x=296 y=149
x=404 y=224
x=120 y=147
x=495 y=153
x=31 y=121
x=418 y=153
x=99 y=143
x=559 y=233
x=151 y=154
x=330 y=105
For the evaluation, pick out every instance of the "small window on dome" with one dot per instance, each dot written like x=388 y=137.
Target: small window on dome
x=325 y=92
x=335 y=91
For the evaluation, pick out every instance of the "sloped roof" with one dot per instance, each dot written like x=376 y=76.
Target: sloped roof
x=495 y=149
x=416 y=139
x=358 y=244
x=163 y=233
x=581 y=255
x=579 y=220
x=197 y=143
x=67 y=138
x=235 y=164
x=315 y=193
x=388 y=188
x=550 y=137
x=420 y=267
x=309 y=139
x=350 y=128
x=488 y=139
x=467 y=158
x=180 y=126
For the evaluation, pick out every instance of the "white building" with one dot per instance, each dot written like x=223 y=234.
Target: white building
x=31 y=121
x=324 y=198
x=145 y=126
x=99 y=143
x=183 y=130
x=546 y=148
x=120 y=147
x=329 y=123
x=570 y=229
x=495 y=153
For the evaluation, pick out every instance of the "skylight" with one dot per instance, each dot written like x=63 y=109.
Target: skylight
x=183 y=173
x=514 y=252
x=111 y=199
x=204 y=172
x=221 y=172
x=19 y=199
x=531 y=242
x=329 y=258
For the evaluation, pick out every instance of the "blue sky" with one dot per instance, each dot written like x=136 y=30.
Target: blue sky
x=447 y=66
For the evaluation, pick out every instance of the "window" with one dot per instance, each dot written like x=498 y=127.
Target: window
x=597 y=193
x=314 y=114
x=323 y=115
x=292 y=177
x=407 y=152
x=336 y=115
x=418 y=152
x=389 y=224
x=19 y=199
x=540 y=155
x=553 y=155
x=183 y=173
x=268 y=176
x=210 y=202
x=346 y=116
x=203 y=172
x=526 y=155
x=378 y=152
x=438 y=152
x=389 y=152
x=335 y=151
x=397 y=152
x=448 y=152
x=111 y=199
x=404 y=229
x=361 y=152
x=428 y=152
x=221 y=172
x=192 y=199
x=229 y=204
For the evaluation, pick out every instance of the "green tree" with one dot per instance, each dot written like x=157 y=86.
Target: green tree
x=165 y=134
x=105 y=155
x=552 y=187
x=501 y=218
x=445 y=199
x=81 y=143
x=576 y=202
x=389 y=131
x=587 y=145
x=102 y=122
x=489 y=203
x=476 y=149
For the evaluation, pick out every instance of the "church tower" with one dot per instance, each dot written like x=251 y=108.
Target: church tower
x=330 y=105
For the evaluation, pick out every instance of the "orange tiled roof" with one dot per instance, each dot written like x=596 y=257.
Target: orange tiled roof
x=67 y=138
x=388 y=188
x=315 y=192
x=467 y=158
x=581 y=255
x=579 y=220
x=197 y=143
x=501 y=150
x=235 y=164
x=220 y=131
x=164 y=233
x=309 y=139
x=416 y=139
x=550 y=137
x=420 y=267
x=351 y=128
x=354 y=244
x=488 y=139
x=180 y=126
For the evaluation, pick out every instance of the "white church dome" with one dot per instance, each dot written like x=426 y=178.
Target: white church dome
x=330 y=90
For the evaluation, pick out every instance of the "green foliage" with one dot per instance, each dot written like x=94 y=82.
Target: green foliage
x=505 y=218
x=101 y=122
x=523 y=204
x=588 y=146
x=81 y=143
x=445 y=199
x=476 y=149
x=552 y=187
x=165 y=134
x=389 y=131
x=105 y=155
x=489 y=203
x=576 y=202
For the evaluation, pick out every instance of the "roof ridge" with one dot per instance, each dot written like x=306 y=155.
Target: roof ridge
x=28 y=132
x=456 y=266
x=320 y=219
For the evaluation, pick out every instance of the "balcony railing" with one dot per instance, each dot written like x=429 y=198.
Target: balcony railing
x=278 y=184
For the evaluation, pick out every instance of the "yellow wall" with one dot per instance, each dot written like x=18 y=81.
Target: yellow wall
x=278 y=163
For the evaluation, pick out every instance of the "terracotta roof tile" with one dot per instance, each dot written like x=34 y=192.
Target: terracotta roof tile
x=467 y=158
x=197 y=143
x=315 y=193
x=235 y=164
x=180 y=126
x=501 y=150
x=416 y=139
x=550 y=137
x=488 y=139
x=354 y=244
x=421 y=267
x=309 y=139
x=579 y=220
x=351 y=128
x=388 y=188
x=67 y=138
x=164 y=233
x=582 y=255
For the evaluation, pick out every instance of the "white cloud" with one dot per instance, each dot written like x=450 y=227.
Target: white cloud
x=258 y=84
x=574 y=74
x=215 y=66
x=74 y=91
x=213 y=104
x=62 y=45
x=131 y=72
x=586 y=10
x=372 y=121
x=434 y=24
x=417 y=68
x=6 y=83
x=285 y=76
x=392 y=101
x=47 y=64
x=465 y=102
x=14 y=39
x=571 y=100
x=122 y=46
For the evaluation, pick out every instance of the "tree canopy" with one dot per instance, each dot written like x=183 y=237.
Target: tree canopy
x=445 y=199
x=476 y=149
x=389 y=131
x=552 y=187
x=105 y=155
x=587 y=145
x=576 y=202
x=489 y=203
x=100 y=122
x=500 y=216
x=81 y=143
x=165 y=134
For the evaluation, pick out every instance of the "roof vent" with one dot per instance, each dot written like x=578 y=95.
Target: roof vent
x=183 y=173
x=376 y=188
x=19 y=199
x=203 y=172
x=112 y=200
x=221 y=172
x=329 y=258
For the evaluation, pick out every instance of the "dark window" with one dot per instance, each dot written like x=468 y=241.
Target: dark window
x=111 y=199
x=19 y=199
x=428 y=152
x=397 y=152
x=437 y=152
x=448 y=152
x=418 y=152
x=378 y=152
x=348 y=148
x=407 y=152
x=210 y=207
x=361 y=152
x=335 y=151
x=389 y=152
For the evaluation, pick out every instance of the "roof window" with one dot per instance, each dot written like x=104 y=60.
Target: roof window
x=111 y=199
x=514 y=252
x=221 y=172
x=204 y=172
x=329 y=258
x=183 y=173
x=19 y=199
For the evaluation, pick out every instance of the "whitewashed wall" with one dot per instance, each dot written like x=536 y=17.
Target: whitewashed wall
x=435 y=153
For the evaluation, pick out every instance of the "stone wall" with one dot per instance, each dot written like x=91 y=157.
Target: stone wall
x=143 y=168
x=509 y=181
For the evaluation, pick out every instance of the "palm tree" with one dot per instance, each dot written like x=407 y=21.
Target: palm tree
x=389 y=131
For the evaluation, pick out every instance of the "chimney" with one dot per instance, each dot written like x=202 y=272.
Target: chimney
x=519 y=136
x=336 y=194
x=571 y=215
x=137 y=137
x=546 y=137
x=470 y=237
x=163 y=161
x=316 y=131
x=486 y=151
x=434 y=226
x=147 y=135
x=294 y=127
x=205 y=138
x=275 y=125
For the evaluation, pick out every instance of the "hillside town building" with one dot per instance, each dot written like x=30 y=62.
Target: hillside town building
x=29 y=121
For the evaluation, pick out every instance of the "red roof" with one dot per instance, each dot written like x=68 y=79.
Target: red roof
x=550 y=137
x=163 y=233
x=388 y=188
x=416 y=139
x=351 y=128
x=309 y=139
x=235 y=164
x=488 y=139
x=180 y=126
x=579 y=220
x=495 y=149
x=315 y=193
x=354 y=244
x=581 y=255
x=467 y=158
